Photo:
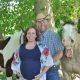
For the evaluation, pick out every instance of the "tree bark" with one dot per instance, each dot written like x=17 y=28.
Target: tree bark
x=44 y=6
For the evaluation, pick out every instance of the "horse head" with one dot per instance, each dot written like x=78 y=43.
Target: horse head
x=69 y=31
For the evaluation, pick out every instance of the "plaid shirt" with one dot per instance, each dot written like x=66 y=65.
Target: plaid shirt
x=52 y=41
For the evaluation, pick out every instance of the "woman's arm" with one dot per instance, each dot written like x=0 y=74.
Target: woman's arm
x=46 y=62
x=44 y=70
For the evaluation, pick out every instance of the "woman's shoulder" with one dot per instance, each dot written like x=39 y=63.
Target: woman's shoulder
x=22 y=45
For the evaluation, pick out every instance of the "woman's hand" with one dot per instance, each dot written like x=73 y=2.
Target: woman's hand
x=37 y=77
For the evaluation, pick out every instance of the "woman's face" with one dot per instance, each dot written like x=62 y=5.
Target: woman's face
x=31 y=35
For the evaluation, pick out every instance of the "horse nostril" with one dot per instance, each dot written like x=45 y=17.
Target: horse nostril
x=72 y=40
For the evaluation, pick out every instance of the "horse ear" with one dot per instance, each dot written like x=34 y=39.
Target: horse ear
x=62 y=23
x=75 y=22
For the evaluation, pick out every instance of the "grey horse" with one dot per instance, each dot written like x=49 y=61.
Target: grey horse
x=71 y=59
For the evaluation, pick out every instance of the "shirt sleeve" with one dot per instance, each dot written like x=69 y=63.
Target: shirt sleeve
x=49 y=61
x=46 y=58
x=57 y=42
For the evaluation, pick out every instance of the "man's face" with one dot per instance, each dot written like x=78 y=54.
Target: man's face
x=42 y=24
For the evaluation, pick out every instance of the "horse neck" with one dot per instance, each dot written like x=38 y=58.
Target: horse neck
x=77 y=41
x=76 y=47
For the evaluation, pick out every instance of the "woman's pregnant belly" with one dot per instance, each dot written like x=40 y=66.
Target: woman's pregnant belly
x=30 y=68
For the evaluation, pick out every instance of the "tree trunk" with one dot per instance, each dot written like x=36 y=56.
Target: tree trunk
x=44 y=7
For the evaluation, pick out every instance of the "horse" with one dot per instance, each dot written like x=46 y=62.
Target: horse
x=8 y=50
x=3 y=43
x=71 y=58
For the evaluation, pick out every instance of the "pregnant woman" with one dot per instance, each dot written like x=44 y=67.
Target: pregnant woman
x=35 y=59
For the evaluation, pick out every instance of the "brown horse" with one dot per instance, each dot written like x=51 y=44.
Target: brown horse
x=71 y=59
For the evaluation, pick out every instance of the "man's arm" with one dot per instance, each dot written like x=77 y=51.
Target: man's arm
x=57 y=44
x=58 y=56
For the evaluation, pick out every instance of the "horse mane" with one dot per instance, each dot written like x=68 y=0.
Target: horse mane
x=3 y=43
x=69 y=22
x=9 y=71
x=78 y=26
x=1 y=61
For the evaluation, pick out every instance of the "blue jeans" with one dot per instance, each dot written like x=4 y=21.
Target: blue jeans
x=52 y=74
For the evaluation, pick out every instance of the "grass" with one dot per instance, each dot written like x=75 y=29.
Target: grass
x=3 y=76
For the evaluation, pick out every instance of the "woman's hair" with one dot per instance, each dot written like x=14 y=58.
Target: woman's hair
x=25 y=40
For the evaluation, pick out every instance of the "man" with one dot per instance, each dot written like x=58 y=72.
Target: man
x=52 y=41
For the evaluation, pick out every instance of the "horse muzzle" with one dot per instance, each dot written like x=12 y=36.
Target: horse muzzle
x=69 y=52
